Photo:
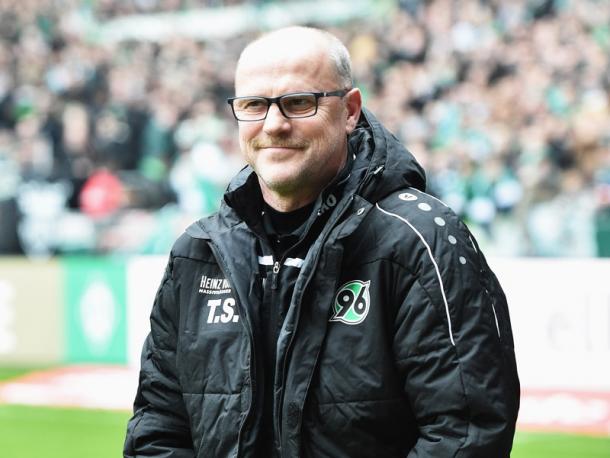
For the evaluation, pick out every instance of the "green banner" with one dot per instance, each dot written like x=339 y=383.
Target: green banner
x=96 y=311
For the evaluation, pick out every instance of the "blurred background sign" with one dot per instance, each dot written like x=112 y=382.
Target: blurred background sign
x=144 y=276
x=560 y=311
x=31 y=312
x=561 y=314
x=96 y=310
x=222 y=23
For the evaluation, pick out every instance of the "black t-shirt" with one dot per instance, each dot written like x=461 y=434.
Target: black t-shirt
x=284 y=229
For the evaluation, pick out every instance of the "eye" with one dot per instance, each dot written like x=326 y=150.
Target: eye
x=252 y=104
x=299 y=103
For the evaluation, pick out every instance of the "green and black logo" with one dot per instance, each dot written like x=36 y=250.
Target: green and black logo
x=352 y=302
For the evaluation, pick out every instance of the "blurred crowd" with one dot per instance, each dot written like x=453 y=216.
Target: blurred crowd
x=117 y=146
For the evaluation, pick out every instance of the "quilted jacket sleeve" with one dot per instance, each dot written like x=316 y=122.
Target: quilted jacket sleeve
x=454 y=350
x=159 y=426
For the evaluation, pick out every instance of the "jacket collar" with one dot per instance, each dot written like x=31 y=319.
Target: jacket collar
x=378 y=164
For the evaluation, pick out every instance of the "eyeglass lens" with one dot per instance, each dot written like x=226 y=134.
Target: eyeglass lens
x=292 y=105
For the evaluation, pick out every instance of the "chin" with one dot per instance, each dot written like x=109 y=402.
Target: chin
x=283 y=180
x=282 y=184
x=279 y=174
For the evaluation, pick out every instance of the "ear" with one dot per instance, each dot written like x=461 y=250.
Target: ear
x=353 y=106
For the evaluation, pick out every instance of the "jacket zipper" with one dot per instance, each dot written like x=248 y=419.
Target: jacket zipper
x=276 y=271
x=296 y=324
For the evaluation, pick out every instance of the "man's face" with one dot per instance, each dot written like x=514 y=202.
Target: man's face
x=294 y=157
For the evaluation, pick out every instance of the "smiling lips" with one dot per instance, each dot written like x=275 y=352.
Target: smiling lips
x=279 y=150
x=278 y=146
x=280 y=153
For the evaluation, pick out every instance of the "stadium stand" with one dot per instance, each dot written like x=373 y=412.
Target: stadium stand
x=114 y=143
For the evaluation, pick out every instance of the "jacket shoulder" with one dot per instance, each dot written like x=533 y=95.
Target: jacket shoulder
x=192 y=244
x=430 y=228
x=424 y=212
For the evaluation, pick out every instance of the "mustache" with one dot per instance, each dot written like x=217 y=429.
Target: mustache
x=277 y=143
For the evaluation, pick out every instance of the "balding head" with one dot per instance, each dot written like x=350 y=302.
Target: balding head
x=283 y=44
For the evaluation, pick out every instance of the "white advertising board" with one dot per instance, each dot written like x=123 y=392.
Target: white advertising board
x=560 y=313
x=144 y=274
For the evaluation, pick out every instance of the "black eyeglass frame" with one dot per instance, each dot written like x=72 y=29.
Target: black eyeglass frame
x=271 y=100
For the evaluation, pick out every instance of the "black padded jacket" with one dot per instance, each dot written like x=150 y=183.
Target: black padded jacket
x=397 y=340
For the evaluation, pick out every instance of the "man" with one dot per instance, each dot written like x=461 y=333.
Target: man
x=330 y=308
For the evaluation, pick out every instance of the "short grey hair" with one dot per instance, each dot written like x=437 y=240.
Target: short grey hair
x=341 y=59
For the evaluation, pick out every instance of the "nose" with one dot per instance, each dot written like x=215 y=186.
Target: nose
x=276 y=122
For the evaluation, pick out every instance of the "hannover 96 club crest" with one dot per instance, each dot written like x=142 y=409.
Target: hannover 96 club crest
x=352 y=302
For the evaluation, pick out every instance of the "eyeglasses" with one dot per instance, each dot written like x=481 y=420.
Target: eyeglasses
x=294 y=105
